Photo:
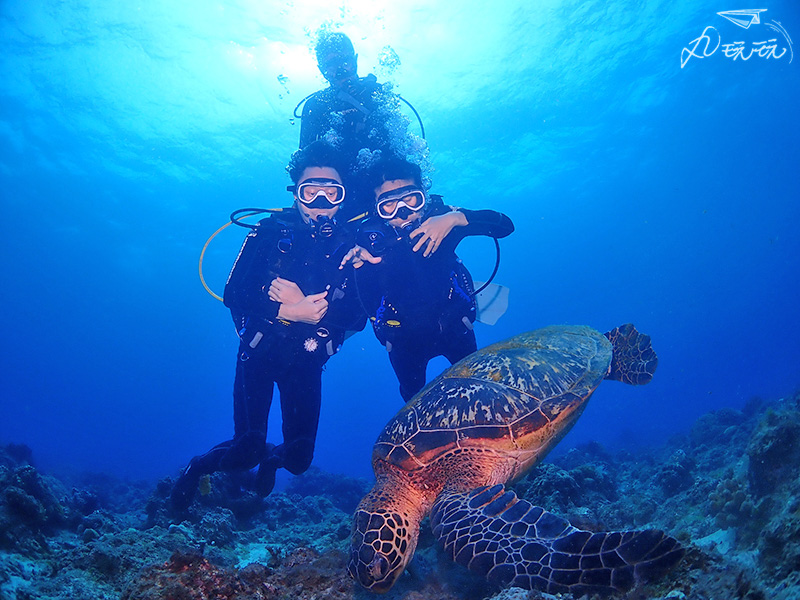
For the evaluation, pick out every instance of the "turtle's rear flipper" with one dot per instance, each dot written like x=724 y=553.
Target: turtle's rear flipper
x=512 y=542
x=634 y=360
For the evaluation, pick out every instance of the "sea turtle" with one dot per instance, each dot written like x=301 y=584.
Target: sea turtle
x=484 y=422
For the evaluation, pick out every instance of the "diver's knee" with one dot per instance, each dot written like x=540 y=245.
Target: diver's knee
x=297 y=457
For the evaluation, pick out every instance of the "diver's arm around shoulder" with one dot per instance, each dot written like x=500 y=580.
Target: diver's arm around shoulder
x=438 y=229
x=457 y=217
x=487 y=222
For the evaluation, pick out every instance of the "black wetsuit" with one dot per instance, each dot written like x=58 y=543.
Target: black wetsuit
x=274 y=351
x=360 y=114
x=350 y=111
x=422 y=307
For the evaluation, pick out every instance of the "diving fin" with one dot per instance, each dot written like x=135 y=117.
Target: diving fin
x=492 y=302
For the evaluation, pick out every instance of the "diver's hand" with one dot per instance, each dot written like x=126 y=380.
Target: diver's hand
x=310 y=309
x=358 y=256
x=435 y=229
x=285 y=291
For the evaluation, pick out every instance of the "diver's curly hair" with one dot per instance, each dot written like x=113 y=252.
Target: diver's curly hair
x=392 y=167
x=316 y=154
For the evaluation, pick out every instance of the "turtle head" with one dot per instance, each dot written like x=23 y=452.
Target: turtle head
x=385 y=532
x=382 y=544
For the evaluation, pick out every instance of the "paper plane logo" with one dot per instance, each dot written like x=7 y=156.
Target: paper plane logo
x=743 y=18
x=767 y=41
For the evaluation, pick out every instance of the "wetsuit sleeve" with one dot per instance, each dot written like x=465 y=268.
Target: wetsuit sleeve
x=345 y=308
x=486 y=222
x=312 y=121
x=246 y=288
x=371 y=279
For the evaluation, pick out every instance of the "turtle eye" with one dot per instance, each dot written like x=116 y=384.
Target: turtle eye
x=378 y=567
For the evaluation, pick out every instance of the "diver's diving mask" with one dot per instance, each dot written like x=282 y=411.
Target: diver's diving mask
x=335 y=67
x=318 y=192
x=401 y=202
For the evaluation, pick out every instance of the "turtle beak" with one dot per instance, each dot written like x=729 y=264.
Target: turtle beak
x=378 y=567
x=375 y=575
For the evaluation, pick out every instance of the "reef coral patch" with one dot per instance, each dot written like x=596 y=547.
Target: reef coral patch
x=729 y=489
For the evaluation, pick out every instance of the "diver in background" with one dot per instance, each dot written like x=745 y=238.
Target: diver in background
x=291 y=304
x=417 y=293
x=353 y=113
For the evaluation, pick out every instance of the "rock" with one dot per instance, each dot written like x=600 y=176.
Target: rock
x=774 y=451
x=217 y=527
x=89 y=535
x=721 y=540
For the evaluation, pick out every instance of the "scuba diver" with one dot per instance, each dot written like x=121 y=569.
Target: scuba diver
x=353 y=113
x=418 y=294
x=291 y=304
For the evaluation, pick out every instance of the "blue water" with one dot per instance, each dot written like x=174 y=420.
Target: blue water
x=642 y=192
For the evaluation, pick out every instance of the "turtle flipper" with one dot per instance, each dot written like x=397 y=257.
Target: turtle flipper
x=513 y=543
x=634 y=360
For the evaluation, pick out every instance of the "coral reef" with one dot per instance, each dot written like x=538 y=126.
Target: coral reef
x=193 y=577
x=773 y=451
x=345 y=492
x=29 y=508
x=729 y=489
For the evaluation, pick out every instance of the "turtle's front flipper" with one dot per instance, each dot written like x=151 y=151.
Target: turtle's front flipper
x=634 y=361
x=512 y=542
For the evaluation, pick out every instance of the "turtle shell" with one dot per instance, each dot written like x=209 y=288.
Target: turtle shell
x=498 y=395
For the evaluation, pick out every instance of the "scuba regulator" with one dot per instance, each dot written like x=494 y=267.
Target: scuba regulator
x=323 y=226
